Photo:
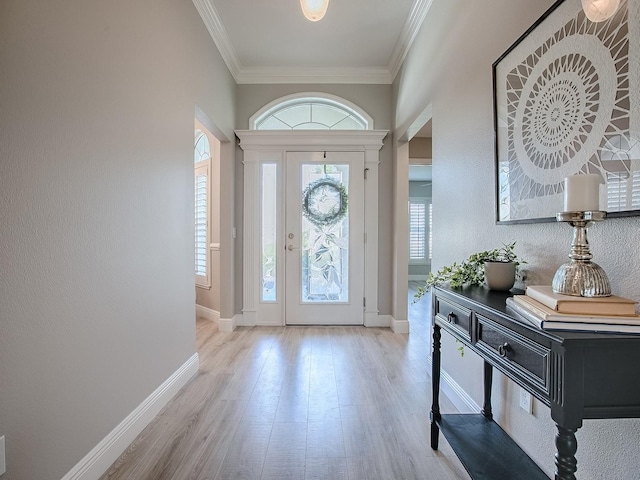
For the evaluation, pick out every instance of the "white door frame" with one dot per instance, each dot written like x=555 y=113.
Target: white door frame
x=262 y=146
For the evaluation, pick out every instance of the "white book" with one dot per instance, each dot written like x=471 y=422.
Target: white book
x=611 y=305
x=578 y=326
x=546 y=313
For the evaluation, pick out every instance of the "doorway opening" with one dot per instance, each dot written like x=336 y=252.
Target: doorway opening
x=420 y=215
x=207 y=222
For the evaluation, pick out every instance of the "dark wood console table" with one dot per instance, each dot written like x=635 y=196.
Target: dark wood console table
x=578 y=375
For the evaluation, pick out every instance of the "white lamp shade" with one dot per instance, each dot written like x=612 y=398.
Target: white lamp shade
x=600 y=10
x=314 y=10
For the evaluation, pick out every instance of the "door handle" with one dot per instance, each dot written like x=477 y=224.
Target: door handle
x=291 y=247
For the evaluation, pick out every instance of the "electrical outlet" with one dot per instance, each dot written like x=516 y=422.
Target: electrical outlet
x=525 y=401
x=3 y=464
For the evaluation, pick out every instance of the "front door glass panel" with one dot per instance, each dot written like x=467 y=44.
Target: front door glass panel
x=325 y=233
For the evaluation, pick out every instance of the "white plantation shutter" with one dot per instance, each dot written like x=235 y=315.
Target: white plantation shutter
x=202 y=160
x=430 y=231
x=201 y=223
x=623 y=191
x=417 y=230
x=616 y=192
x=635 y=191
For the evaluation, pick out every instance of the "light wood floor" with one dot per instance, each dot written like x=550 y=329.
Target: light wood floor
x=301 y=403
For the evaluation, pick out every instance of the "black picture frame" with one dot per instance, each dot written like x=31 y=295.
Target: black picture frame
x=564 y=103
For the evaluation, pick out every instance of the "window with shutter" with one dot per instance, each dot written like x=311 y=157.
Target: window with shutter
x=419 y=230
x=430 y=231
x=616 y=191
x=202 y=160
x=623 y=191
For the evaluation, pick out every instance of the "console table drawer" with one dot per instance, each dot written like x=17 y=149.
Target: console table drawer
x=518 y=354
x=458 y=317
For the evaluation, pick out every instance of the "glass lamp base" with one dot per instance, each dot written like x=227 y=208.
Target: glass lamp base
x=581 y=279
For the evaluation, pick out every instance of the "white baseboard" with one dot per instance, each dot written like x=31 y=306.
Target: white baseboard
x=229 y=324
x=207 y=313
x=399 y=326
x=102 y=456
x=373 y=319
x=454 y=392
x=224 y=324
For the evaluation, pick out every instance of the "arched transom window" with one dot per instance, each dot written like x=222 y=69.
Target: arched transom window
x=201 y=148
x=311 y=112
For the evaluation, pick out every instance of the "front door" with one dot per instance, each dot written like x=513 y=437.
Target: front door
x=324 y=244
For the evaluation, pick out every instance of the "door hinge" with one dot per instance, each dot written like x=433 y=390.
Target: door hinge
x=365 y=173
x=365 y=237
x=364 y=301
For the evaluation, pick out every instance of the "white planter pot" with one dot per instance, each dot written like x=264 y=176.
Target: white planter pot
x=500 y=275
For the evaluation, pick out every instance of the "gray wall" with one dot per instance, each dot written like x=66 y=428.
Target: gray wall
x=376 y=101
x=420 y=147
x=471 y=36
x=97 y=104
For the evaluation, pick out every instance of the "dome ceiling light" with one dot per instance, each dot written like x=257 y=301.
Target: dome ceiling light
x=600 y=10
x=314 y=10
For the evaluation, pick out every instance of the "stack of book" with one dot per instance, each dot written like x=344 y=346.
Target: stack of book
x=546 y=309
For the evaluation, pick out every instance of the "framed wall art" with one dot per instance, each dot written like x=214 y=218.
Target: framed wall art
x=566 y=102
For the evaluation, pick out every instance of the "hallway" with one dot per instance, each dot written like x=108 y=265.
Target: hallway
x=330 y=403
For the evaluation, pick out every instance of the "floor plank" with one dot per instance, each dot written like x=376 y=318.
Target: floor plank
x=330 y=403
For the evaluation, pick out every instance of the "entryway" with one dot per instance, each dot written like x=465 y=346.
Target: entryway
x=310 y=229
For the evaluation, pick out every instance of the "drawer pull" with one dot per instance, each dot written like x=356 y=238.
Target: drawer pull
x=451 y=318
x=504 y=350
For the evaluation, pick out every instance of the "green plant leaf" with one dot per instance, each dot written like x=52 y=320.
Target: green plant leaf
x=471 y=271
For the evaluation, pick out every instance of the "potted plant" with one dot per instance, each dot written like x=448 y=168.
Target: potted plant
x=498 y=267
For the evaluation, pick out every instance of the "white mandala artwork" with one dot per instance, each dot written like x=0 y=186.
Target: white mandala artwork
x=564 y=106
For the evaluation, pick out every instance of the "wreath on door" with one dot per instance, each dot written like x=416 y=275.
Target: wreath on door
x=324 y=202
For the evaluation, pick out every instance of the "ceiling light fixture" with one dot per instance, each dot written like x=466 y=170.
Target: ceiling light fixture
x=600 y=10
x=314 y=10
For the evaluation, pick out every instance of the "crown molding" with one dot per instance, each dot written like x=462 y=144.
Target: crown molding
x=414 y=21
x=321 y=75
x=219 y=34
x=314 y=75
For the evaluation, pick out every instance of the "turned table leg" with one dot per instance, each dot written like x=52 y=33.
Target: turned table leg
x=435 y=385
x=488 y=380
x=566 y=447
